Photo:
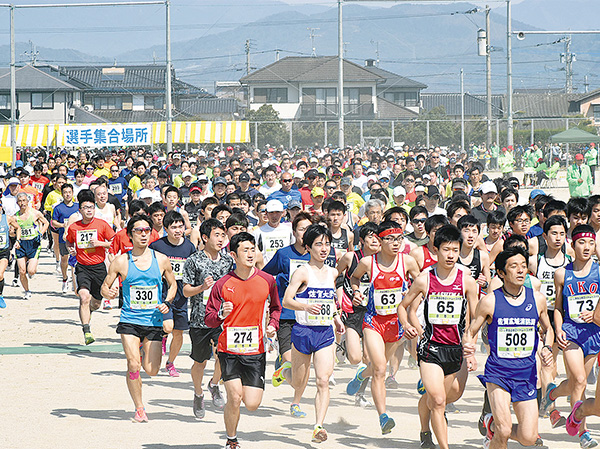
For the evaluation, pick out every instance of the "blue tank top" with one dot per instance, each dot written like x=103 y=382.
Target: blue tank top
x=4 y=236
x=513 y=338
x=580 y=295
x=318 y=292
x=142 y=293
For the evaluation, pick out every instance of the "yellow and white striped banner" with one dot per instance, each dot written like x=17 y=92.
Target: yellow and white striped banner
x=204 y=132
x=235 y=132
x=30 y=135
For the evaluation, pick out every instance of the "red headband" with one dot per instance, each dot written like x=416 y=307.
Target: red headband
x=583 y=235
x=382 y=234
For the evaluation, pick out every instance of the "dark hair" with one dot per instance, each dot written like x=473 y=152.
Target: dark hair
x=554 y=206
x=66 y=186
x=314 y=231
x=455 y=206
x=368 y=228
x=170 y=189
x=555 y=220
x=336 y=205
x=208 y=201
x=468 y=220
x=85 y=196
x=583 y=228
x=416 y=211
x=506 y=254
x=435 y=221
x=218 y=209
x=237 y=219
x=459 y=195
x=340 y=196
x=137 y=205
x=508 y=192
x=245 y=198
x=388 y=224
x=172 y=217
x=447 y=234
x=517 y=240
x=496 y=217
x=135 y=219
x=240 y=238
x=519 y=210
x=592 y=201
x=576 y=206
x=300 y=217
x=207 y=227
x=157 y=206
x=79 y=171
x=395 y=210
x=540 y=201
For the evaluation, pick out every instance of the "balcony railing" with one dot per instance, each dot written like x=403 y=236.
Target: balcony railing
x=365 y=110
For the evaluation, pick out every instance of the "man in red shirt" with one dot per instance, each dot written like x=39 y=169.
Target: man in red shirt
x=237 y=302
x=88 y=239
x=38 y=180
x=311 y=176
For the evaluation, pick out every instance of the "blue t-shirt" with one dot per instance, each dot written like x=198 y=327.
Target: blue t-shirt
x=285 y=261
x=534 y=231
x=285 y=197
x=61 y=213
x=118 y=187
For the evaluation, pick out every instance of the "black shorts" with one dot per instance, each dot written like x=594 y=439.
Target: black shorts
x=249 y=368
x=355 y=320
x=5 y=253
x=203 y=340
x=284 y=335
x=179 y=317
x=152 y=333
x=91 y=278
x=63 y=249
x=448 y=357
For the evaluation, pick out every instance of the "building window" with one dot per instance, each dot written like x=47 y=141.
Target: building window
x=153 y=102
x=42 y=100
x=402 y=98
x=4 y=101
x=596 y=112
x=115 y=102
x=271 y=95
x=323 y=101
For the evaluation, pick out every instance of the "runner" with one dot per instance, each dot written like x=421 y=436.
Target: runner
x=60 y=218
x=29 y=225
x=5 y=245
x=200 y=271
x=144 y=305
x=177 y=249
x=238 y=301
x=478 y=262
x=388 y=272
x=450 y=294
x=88 y=239
x=513 y=313
x=273 y=235
x=425 y=255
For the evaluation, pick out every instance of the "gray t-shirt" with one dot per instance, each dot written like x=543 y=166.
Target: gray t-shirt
x=197 y=268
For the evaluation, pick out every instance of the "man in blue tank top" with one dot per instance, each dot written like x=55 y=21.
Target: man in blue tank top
x=576 y=333
x=512 y=313
x=142 y=271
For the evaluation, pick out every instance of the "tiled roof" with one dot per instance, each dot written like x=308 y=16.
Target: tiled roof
x=118 y=116
x=83 y=116
x=545 y=105
x=475 y=105
x=394 y=80
x=392 y=111
x=30 y=78
x=200 y=106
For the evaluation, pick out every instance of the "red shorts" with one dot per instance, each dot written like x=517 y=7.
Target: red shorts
x=387 y=326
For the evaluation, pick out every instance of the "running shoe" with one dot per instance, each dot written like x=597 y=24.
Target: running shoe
x=451 y=408
x=27 y=295
x=232 y=444
x=65 y=286
x=487 y=422
x=217 y=398
x=361 y=401
x=386 y=423
x=278 y=376
x=199 y=409
x=546 y=401
x=427 y=440
x=15 y=283
x=172 y=370
x=278 y=362
x=140 y=415
x=296 y=412
x=481 y=425
x=556 y=419
x=572 y=424
x=354 y=385
x=420 y=388
x=164 y=345
x=539 y=442
x=586 y=440
x=391 y=383
x=2 y=302
x=319 y=434
x=486 y=443
x=89 y=338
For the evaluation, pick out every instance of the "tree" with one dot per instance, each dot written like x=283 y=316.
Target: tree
x=271 y=129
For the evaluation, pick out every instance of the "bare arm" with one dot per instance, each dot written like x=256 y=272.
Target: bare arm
x=42 y=222
x=496 y=249
x=118 y=267
x=412 y=268
x=409 y=304
x=559 y=282
x=547 y=332
x=363 y=267
x=299 y=278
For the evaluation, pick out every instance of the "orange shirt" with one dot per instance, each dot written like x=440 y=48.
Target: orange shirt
x=122 y=243
x=81 y=234
x=35 y=197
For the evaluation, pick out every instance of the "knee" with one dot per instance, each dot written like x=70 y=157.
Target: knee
x=437 y=401
x=579 y=381
x=529 y=439
x=168 y=327
x=234 y=399
x=379 y=371
x=133 y=365
x=252 y=405
x=151 y=370
x=354 y=359
x=322 y=382
x=502 y=430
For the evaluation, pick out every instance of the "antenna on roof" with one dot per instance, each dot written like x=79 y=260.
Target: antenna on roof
x=312 y=40
x=32 y=53
x=154 y=57
x=115 y=62
x=376 y=43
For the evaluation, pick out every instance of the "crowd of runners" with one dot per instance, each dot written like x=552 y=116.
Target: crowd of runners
x=323 y=256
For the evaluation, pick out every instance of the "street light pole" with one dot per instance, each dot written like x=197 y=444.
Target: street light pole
x=340 y=79
x=168 y=78
x=509 y=90
x=13 y=89
x=488 y=77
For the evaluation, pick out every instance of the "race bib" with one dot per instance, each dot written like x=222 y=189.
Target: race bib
x=325 y=316
x=515 y=342
x=28 y=233
x=273 y=243
x=444 y=309
x=242 y=340
x=116 y=189
x=85 y=237
x=206 y=295
x=4 y=239
x=364 y=289
x=549 y=292
x=177 y=266
x=295 y=264
x=143 y=297
x=582 y=303
x=386 y=301
x=39 y=186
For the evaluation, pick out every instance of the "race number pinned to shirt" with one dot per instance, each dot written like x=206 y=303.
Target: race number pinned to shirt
x=4 y=238
x=548 y=290
x=116 y=189
x=85 y=238
x=386 y=301
x=143 y=297
x=242 y=340
x=28 y=233
x=444 y=309
x=515 y=342
x=295 y=264
x=325 y=316
x=206 y=295
x=273 y=241
x=364 y=287
x=39 y=186
x=177 y=267
x=582 y=303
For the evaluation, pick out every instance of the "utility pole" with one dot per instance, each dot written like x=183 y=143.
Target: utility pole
x=312 y=41
x=340 y=79
x=462 y=110
x=488 y=77
x=247 y=47
x=376 y=43
x=32 y=53
x=13 y=89
x=509 y=89
x=586 y=85
x=277 y=55
x=567 y=58
x=168 y=78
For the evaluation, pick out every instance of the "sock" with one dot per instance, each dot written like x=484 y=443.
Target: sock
x=233 y=438
x=199 y=395
x=65 y=280
x=363 y=386
x=134 y=375
x=539 y=396
x=86 y=328
x=1 y=287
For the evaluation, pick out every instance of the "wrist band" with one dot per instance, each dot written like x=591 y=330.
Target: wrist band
x=548 y=347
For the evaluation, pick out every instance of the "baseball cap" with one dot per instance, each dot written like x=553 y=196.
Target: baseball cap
x=219 y=180
x=432 y=191
x=294 y=203
x=488 y=187
x=299 y=174
x=195 y=188
x=346 y=182
x=459 y=182
x=336 y=172
x=314 y=159
x=312 y=173
x=176 y=156
x=145 y=193
x=244 y=177
x=186 y=174
x=419 y=188
x=579 y=157
x=317 y=191
x=202 y=178
x=13 y=180
x=536 y=192
x=372 y=178
x=399 y=191
x=385 y=174
x=274 y=206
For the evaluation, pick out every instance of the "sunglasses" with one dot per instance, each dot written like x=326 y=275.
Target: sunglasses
x=419 y=220
x=144 y=230
x=286 y=180
x=262 y=211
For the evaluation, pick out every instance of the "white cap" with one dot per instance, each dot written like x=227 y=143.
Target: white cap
x=274 y=206
x=299 y=174
x=202 y=178
x=145 y=193
x=185 y=174
x=385 y=174
x=29 y=170
x=201 y=153
x=399 y=191
x=192 y=160
x=372 y=178
x=266 y=164
x=314 y=159
x=488 y=187
x=420 y=188
x=13 y=180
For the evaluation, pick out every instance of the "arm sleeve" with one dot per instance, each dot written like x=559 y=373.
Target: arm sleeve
x=213 y=306
x=571 y=177
x=274 y=305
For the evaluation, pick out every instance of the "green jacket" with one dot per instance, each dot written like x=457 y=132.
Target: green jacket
x=577 y=189
x=591 y=157
x=506 y=162
x=495 y=150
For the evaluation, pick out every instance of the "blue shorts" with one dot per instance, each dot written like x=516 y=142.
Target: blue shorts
x=520 y=390
x=29 y=249
x=310 y=339
x=586 y=337
x=179 y=317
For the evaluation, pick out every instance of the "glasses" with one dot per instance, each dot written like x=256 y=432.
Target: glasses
x=140 y=231
x=286 y=180
x=393 y=239
x=89 y=168
x=262 y=211
x=87 y=207
x=522 y=221
x=419 y=220
x=409 y=180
